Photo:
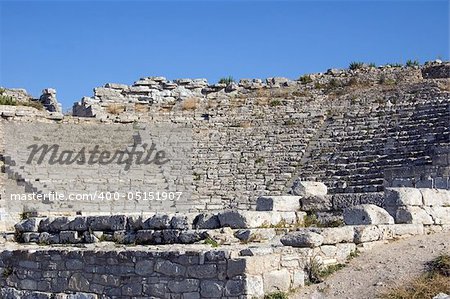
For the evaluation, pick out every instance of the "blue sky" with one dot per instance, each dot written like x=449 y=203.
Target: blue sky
x=74 y=46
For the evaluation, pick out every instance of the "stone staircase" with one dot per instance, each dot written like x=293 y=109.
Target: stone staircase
x=357 y=147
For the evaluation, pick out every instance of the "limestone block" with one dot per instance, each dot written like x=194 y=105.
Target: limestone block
x=179 y=222
x=334 y=235
x=245 y=219
x=367 y=214
x=298 y=279
x=53 y=224
x=69 y=237
x=403 y=197
x=285 y=219
x=144 y=267
x=30 y=237
x=328 y=250
x=372 y=198
x=343 y=250
x=412 y=214
x=254 y=286
x=124 y=237
x=107 y=223
x=236 y=267
x=302 y=239
x=116 y=86
x=107 y=92
x=183 y=286
x=78 y=224
x=27 y=225
x=435 y=197
x=256 y=250
x=441 y=296
x=255 y=265
x=235 y=288
x=47 y=238
x=206 y=221
x=157 y=221
x=278 y=280
x=211 y=288
x=440 y=215
x=255 y=235
x=306 y=188
x=278 y=203
x=316 y=203
x=202 y=271
x=190 y=236
x=400 y=230
x=168 y=268
x=342 y=201
x=366 y=233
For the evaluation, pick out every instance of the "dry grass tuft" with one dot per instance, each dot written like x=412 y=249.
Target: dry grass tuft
x=141 y=108
x=189 y=104
x=436 y=280
x=115 y=109
x=246 y=124
x=426 y=286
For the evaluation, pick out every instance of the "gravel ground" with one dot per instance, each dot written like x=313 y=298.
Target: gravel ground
x=383 y=266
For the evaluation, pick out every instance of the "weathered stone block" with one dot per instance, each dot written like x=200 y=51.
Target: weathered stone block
x=367 y=214
x=144 y=267
x=78 y=282
x=132 y=289
x=107 y=223
x=183 y=286
x=29 y=237
x=302 y=239
x=366 y=233
x=254 y=286
x=334 y=235
x=343 y=250
x=124 y=237
x=436 y=197
x=202 y=271
x=69 y=237
x=278 y=280
x=412 y=214
x=157 y=222
x=235 y=287
x=342 y=201
x=206 y=221
x=169 y=268
x=278 y=203
x=255 y=235
x=401 y=230
x=305 y=188
x=317 y=203
x=47 y=238
x=53 y=224
x=402 y=197
x=27 y=225
x=179 y=222
x=78 y=224
x=440 y=215
x=211 y=288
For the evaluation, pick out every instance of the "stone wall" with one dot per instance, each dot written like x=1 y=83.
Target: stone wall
x=228 y=254
x=347 y=128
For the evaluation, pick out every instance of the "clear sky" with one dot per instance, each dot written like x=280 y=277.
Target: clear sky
x=74 y=46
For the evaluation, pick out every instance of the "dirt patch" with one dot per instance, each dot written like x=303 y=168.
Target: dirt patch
x=374 y=271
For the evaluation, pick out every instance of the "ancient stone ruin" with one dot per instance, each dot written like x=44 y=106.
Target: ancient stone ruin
x=279 y=175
